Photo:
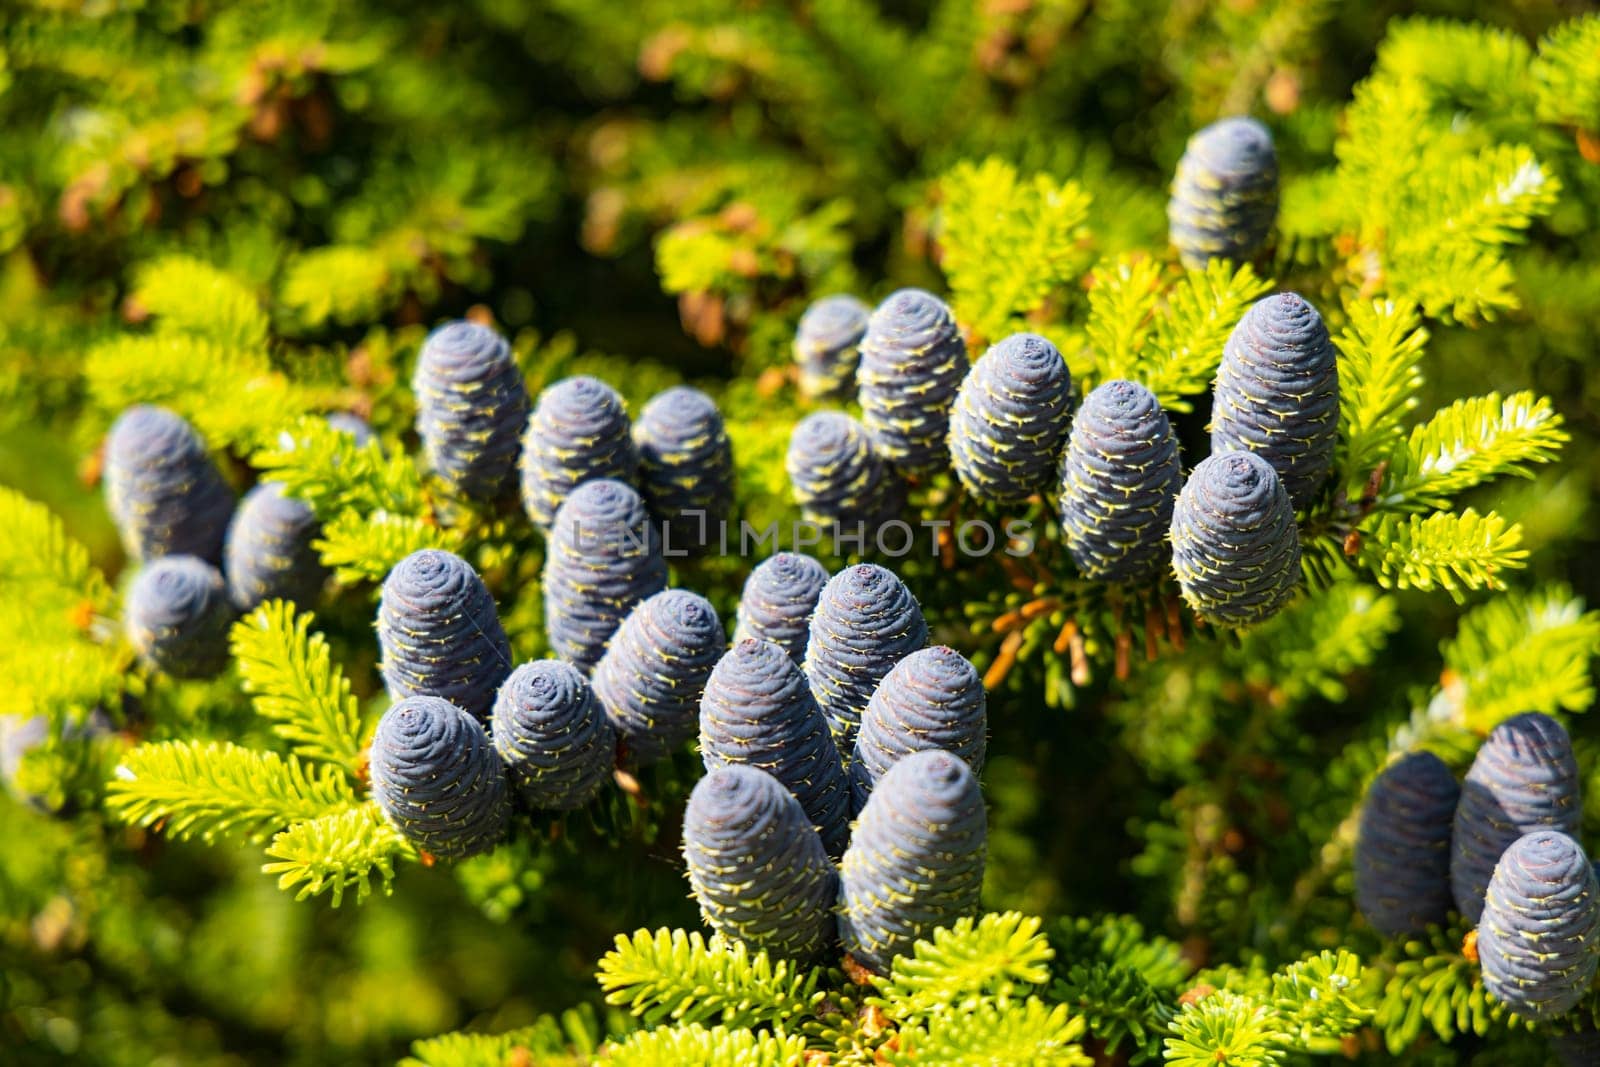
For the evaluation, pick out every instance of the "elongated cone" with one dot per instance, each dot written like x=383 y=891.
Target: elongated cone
x=1225 y=193
x=650 y=680
x=1277 y=393
x=270 y=551
x=440 y=634
x=836 y=474
x=913 y=358
x=603 y=557
x=1539 y=938
x=1524 y=778
x=757 y=867
x=471 y=407
x=578 y=432
x=177 y=617
x=934 y=698
x=1402 y=858
x=1010 y=419
x=556 y=743
x=827 y=346
x=1234 y=542
x=437 y=778
x=1119 y=478
x=915 y=862
x=685 y=468
x=164 y=493
x=758 y=712
x=866 y=621
x=777 y=602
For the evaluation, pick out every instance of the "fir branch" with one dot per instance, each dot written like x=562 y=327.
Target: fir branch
x=1454 y=552
x=1194 y=325
x=210 y=789
x=1380 y=375
x=567 y=1041
x=670 y=974
x=1317 y=641
x=1566 y=76
x=1224 y=1027
x=1123 y=296
x=715 y=1046
x=42 y=566
x=987 y=1032
x=1119 y=979
x=333 y=474
x=366 y=548
x=1433 y=985
x=1000 y=955
x=1316 y=1000
x=1469 y=443
x=296 y=685
x=335 y=852
x=192 y=296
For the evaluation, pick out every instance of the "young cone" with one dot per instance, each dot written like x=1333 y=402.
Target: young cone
x=778 y=600
x=471 y=407
x=1402 y=858
x=685 y=467
x=557 y=745
x=836 y=474
x=1234 y=542
x=1225 y=193
x=757 y=867
x=177 y=617
x=270 y=552
x=1009 y=419
x=758 y=712
x=440 y=634
x=578 y=433
x=912 y=361
x=915 y=862
x=164 y=493
x=1539 y=938
x=934 y=698
x=827 y=346
x=650 y=679
x=437 y=778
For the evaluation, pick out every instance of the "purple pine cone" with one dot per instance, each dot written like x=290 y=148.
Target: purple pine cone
x=757 y=867
x=1402 y=857
x=1225 y=193
x=164 y=493
x=758 y=712
x=603 y=557
x=650 y=679
x=866 y=621
x=440 y=634
x=837 y=475
x=1010 y=418
x=915 y=862
x=1234 y=542
x=177 y=617
x=1119 y=477
x=437 y=778
x=579 y=432
x=685 y=467
x=913 y=358
x=1277 y=393
x=471 y=407
x=270 y=552
x=1539 y=938
x=934 y=698
x=552 y=735
x=777 y=602
x=1524 y=778
x=827 y=346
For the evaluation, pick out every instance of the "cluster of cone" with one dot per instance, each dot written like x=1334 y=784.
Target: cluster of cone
x=1500 y=849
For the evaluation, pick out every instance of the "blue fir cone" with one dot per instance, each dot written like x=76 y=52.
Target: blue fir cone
x=777 y=602
x=1010 y=418
x=757 y=711
x=603 y=557
x=164 y=493
x=1120 y=475
x=1277 y=393
x=757 y=868
x=270 y=551
x=471 y=407
x=837 y=475
x=827 y=346
x=1402 y=857
x=913 y=358
x=1225 y=193
x=437 y=778
x=1539 y=938
x=579 y=432
x=866 y=621
x=685 y=468
x=1235 y=546
x=177 y=617
x=652 y=675
x=932 y=699
x=551 y=733
x=1524 y=778
x=439 y=633
x=915 y=862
